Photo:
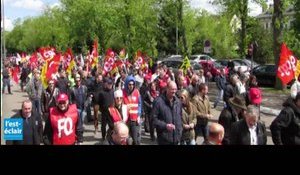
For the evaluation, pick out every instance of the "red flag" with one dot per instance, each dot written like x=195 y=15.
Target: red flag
x=95 y=54
x=15 y=73
x=47 y=52
x=109 y=60
x=53 y=67
x=33 y=60
x=287 y=65
x=68 y=57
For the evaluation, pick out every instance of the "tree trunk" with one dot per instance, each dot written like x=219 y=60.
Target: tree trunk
x=181 y=26
x=128 y=25
x=277 y=22
x=244 y=15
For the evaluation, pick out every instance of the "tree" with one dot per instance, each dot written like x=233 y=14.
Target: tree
x=240 y=9
x=278 y=26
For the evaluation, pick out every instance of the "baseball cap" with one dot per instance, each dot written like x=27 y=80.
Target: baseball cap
x=62 y=97
x=118 y=93
x=255 y=96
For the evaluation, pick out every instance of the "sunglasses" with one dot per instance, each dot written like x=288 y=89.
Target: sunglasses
x=130 y=84
x=118 y=98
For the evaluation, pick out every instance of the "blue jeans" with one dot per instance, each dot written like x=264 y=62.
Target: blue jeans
x=6 y=82
x=219 y=97
x=135 y=132
x=36 y=105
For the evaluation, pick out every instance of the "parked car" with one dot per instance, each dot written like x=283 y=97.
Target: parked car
x=248 y=62
x=266 y=75
x=176 y=62
x=244 y=64
x=201 y=58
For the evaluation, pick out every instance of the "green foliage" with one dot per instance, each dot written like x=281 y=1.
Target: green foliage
x=256 y=33
x=146 y=25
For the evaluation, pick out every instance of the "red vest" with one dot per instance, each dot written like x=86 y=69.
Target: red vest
x=116 y=116
x=64 y=125
x=132 y=102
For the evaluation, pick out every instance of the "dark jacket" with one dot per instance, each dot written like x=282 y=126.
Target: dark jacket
x=221 y=82
x=162 y=114
x=36 y=125
x=240 y=134
x=226 y=119
x=229 y=92
x=79 y=96
x=286 y=126
x=24 y=74
x=96 y=88
x=62 y=85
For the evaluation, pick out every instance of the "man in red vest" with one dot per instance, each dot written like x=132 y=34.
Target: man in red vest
x=61 y=128
x=132 y=99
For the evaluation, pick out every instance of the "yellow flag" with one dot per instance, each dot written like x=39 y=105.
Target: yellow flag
x=43 y=75
x=185 y=65
x=71 y=66
x=297 y=69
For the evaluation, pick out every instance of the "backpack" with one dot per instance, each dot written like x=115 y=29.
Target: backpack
x=255 y=96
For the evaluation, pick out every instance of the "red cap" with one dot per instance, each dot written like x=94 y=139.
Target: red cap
x=255 y=96
x=162 y=84
x=62 y=97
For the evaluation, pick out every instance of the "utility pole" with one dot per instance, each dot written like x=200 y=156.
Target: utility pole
x=176 y=35
x=3 y=49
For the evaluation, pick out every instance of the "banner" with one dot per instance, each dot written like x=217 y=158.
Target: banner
x=287 y=65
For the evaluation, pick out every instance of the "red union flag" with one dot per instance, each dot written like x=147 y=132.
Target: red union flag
x=287 y=65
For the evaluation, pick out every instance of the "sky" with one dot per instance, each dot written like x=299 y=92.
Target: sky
x=15 y=9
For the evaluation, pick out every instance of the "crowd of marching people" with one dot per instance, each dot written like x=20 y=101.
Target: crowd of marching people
x=173 y=106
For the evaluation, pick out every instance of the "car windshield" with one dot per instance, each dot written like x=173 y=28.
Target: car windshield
x=173 y=64
x=193 y=57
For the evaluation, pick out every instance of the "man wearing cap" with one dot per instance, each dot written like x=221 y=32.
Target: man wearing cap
x=132 y=99
x=118 y=111
x=105 y=99
x=249 y=130
x=62 y=127
x=233 y=112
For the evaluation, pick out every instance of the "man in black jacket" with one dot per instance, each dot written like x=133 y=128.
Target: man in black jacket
x=286 y=126
x=106 y=99
x=32 y=126
x=231 y=114
x=249 y=131
x=167 y=114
